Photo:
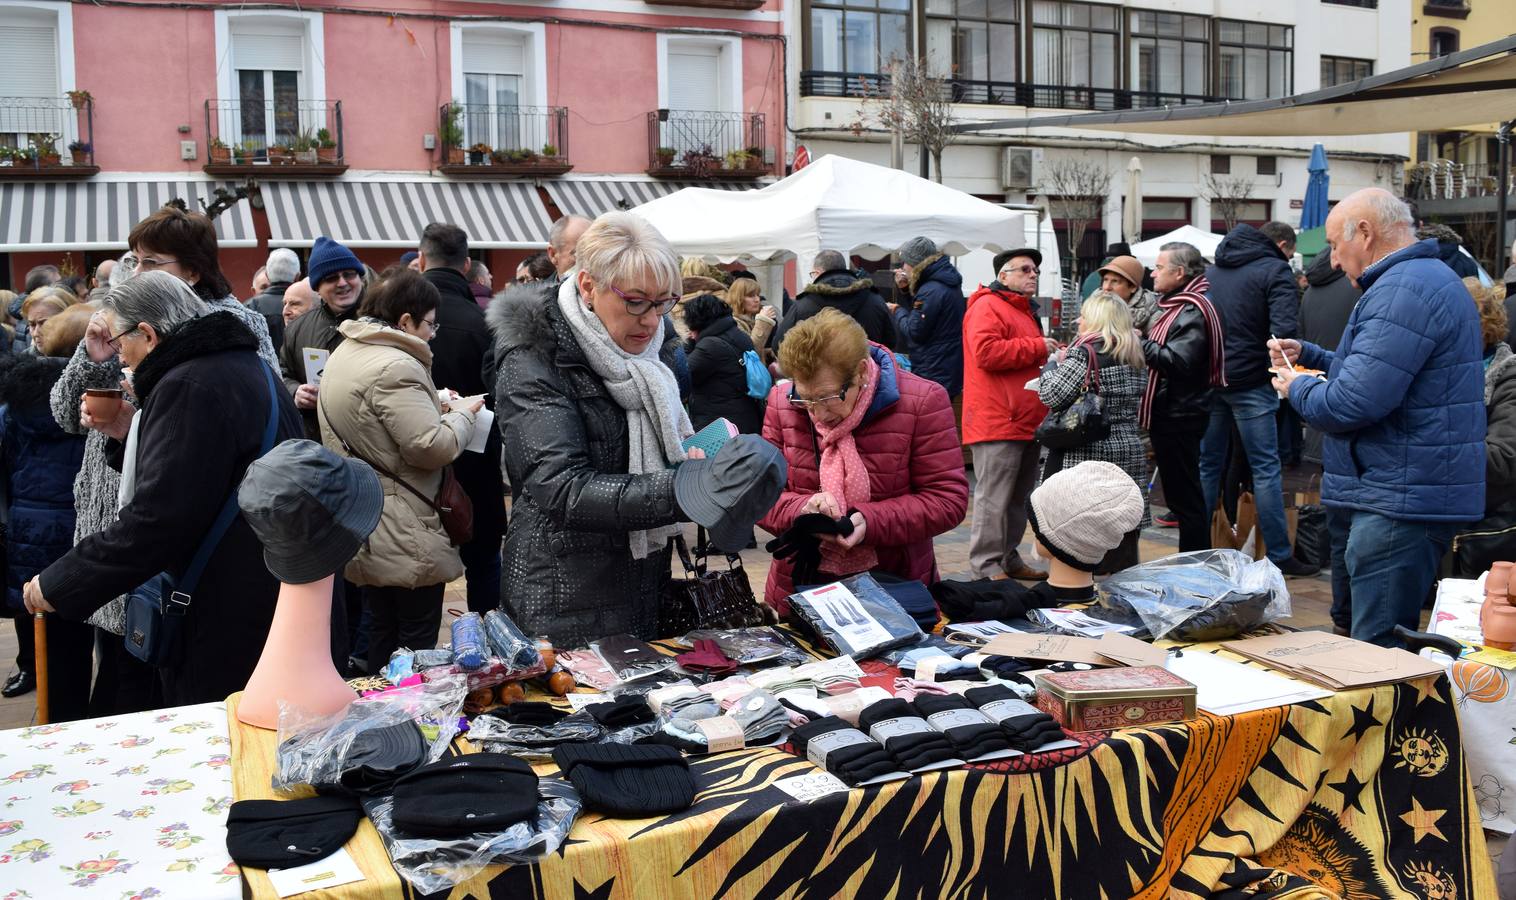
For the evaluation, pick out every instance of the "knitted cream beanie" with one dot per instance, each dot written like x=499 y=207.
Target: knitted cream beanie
x=1080 y=514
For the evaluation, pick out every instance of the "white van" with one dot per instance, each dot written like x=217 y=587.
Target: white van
x=977 y=267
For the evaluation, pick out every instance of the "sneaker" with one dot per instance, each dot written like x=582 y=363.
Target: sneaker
x=1167 y=520
x=1294 y=568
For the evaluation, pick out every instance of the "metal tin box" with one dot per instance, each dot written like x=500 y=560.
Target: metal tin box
x=1104 y=699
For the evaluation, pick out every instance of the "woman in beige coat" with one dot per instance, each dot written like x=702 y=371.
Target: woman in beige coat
x=378 y=403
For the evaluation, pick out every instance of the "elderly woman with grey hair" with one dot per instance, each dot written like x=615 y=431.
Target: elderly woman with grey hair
x=592 y=425
x=203 y=398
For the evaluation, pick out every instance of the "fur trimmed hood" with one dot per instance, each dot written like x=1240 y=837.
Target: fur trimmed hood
x=217 y=332
x=517 y=317
x=917 y=272
x=837 y=283
x=1502 y=367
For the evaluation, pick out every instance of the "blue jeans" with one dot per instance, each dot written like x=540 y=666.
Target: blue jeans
x=1253 y=409
x=1339 y=522
x=1392 y=564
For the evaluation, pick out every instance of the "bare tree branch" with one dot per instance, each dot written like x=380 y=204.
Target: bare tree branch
x=1229 y=197
x=909 y=100
x=1076 y=190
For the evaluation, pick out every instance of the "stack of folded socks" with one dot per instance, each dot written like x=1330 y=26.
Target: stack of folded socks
x=683 y=701
x=856 y=762
x=1005 y=666
x=728 y=690
x=761 y=717
x=1027 y=729
x=911 y=741
x=971 y=732
x=832 y=676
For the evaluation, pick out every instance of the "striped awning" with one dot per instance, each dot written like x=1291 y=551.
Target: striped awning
x=590 y=198
x=505 y=215
x=98 y=215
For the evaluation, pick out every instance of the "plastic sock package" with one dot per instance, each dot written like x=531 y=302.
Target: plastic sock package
x=508 y=642
x=436 y=865
x=630 y=659
x=534 y=742
x=856 y=617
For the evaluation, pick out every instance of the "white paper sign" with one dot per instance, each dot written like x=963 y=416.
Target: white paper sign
x=813 y=786
x=484 y=420
x=339 y=868
x=315 y=363
x=580 y=701
x=842 y=612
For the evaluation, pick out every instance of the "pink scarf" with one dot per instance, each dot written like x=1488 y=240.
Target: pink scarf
x=1169 y=307
x=844 y=476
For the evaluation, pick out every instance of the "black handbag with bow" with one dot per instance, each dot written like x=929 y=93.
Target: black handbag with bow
x=709 y=599
x=1083 y=422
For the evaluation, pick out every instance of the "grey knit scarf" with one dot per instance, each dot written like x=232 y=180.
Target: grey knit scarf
x=644 y=387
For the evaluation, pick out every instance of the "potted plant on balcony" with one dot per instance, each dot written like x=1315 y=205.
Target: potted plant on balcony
x=701 y=162
x=220 y=152
x=79 y=98
x=304 y=147
x=755 y=158
x=7 y=156
x=326 y=148
x=79 y=153
x=664 y=156
x=451 y=132
x=45 y=149
x=550 y=151
x=280 y=154
x=478 y=154
x=247 y=152
x=736 y=160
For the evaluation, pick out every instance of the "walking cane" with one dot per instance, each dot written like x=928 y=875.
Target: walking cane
x=39 y=642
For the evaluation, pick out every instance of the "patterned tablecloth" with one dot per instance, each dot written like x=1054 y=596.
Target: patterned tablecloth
x=1486 y=706
x=120 y=808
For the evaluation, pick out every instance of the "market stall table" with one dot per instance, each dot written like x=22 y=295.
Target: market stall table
x=129 y=806
x=1363 y=793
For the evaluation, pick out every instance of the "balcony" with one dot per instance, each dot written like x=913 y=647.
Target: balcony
x=47 y=137
x=1447 y=9
x=1443 y=179
x=701 y=144
x=710 y=4
x=484 y=141
x=1001 y=93
x=280 y=138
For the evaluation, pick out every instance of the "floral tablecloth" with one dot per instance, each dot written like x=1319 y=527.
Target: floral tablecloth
x=123 y=807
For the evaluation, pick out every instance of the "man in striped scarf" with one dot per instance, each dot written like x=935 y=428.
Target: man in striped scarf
x=1185 y=354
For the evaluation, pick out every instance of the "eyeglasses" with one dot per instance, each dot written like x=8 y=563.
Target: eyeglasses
x=432 y=324
x=114 y=342
x=345 y=275
x=149 y=263
x=1024 y=270
x=838 y=397
x=639 y=306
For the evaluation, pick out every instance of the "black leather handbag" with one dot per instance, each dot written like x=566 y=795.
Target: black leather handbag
x=1492 y=540
x=1083 y=422
x=706 y=598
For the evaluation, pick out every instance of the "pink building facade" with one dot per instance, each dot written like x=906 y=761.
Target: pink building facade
x=367 y=124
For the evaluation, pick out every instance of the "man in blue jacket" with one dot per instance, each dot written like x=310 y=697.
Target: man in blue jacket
x=1402 y=408
x=1253 y=289
x=934 y=323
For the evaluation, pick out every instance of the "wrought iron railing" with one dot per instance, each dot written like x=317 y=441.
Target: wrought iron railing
x=1000 y=93
x=704 y=143
x=484 y=134
x=47 y=131
x=274 y=131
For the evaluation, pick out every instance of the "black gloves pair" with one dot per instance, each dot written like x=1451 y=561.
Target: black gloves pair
x=803 y=542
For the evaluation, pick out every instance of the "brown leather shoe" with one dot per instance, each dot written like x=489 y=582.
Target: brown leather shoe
x=1027 y=573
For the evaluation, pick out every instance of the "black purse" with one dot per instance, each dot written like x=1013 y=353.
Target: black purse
x=1491 y=540
x=709 y=599
x=155 y=611
x=1083 y=422
x=1313 y=540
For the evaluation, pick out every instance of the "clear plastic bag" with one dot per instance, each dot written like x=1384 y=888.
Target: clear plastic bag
x=748 y=646
x=494 y=671
x=856 y=617
x=313 y=749
x=1204 y=595
x=630 y=659
x=534 y=742
x=510 y=643
x=432 y=865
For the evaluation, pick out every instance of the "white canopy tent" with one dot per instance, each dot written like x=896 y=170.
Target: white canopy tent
x=832 y=204
x=1147 y=251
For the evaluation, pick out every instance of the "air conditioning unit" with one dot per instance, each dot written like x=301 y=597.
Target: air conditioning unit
x=1018 y=168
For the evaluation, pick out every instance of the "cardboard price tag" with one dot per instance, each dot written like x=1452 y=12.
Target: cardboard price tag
x=1057 y=647
x=722 y=733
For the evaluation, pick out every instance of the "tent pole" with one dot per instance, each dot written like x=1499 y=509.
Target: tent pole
x=1503 y=137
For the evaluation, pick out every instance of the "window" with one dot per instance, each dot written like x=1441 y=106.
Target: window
x=1074 y=44
x=39 y=67
x=1268 y=165
x=1256 y=59
x=1343 y=69
x=1169 y=55
x=1162 y=215
x=1444 y=42
x=1364 y=4
x=1221 y=165
x=700 y=88
x=858 y=36
x=974 y=40
x=271 y=84
x=494 y=67
x=1250 y=212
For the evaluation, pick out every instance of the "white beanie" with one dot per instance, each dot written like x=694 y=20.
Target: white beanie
x=1081 y=514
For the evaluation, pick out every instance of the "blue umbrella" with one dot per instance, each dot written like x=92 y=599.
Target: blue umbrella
x=1314 y=212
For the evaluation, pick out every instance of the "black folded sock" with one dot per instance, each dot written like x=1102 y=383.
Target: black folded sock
x=970 y=738
x=854 y=763
x=1026 y=731
x=911 y=749
x=621 y=712
x=530 y=712
x=1004 y=666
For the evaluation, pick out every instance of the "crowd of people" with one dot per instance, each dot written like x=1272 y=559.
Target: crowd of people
x=581 y=383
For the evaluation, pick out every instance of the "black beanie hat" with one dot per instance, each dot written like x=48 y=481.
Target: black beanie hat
x=464 y=795
x=278 y=834
x=378 y=756
x=628 y=781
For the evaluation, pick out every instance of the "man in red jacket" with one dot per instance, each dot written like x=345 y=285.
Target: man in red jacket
x=1003 y=349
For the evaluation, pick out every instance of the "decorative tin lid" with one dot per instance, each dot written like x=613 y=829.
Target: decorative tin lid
x=1124 y=682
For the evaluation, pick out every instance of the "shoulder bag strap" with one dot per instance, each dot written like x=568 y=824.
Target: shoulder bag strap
x=186 y=585
x=430 y=502
x=1091 y=370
